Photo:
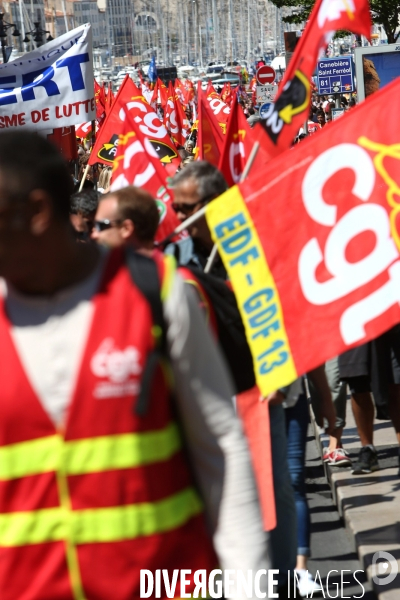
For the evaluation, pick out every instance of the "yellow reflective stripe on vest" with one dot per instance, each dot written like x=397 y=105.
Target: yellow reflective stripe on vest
x=121 y=451
x=28 y=458
x=99 y=525
x=89 y=455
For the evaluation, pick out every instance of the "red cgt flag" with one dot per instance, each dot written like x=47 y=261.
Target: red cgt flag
x=130 y=101
x=227 y=94
x=175 y=119
x=312 y=245
x=109 y=101
x=220 y=109
x=106 y=143
x=137 y=163
x=100 y=100
x=291 y=106
x=64 y=138
x=238 y=144
x=210 y=89
x=210 y=139
x=160 y=94
x=84 y=130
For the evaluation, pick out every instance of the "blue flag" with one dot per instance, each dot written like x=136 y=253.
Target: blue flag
x=152 y=73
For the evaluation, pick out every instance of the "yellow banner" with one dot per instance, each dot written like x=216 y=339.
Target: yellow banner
x=240 y=248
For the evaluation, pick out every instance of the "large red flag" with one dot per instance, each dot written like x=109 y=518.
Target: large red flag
x=256 y=425
x=238 y=144
x=291 y=106
x=210 y=89
x=210 y=138
x=105 y=147
x=180 y=91
x=253 y=88
x=100 y=100
x=189 y=86
x=160 y=94
x=312 y=244
x=84 y=130
x=129 y=100
x=220 y=110
x=182 y=121
x=175 y=119
x=137 y=163
x=109 y=101
x=227 y=94
x=64 y=138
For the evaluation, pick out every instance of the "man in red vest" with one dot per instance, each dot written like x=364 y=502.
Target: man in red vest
x=92 y=489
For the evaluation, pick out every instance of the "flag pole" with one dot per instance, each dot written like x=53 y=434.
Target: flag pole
x=84 y=177
x=250 y=161
x=95 y=167
x=246 y=170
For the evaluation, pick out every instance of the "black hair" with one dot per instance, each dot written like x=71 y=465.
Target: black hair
x=85 y=202
x=29 y=161
x=138 y=206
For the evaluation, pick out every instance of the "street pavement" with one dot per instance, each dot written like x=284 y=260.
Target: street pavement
x=332 y=546
x=369 y=505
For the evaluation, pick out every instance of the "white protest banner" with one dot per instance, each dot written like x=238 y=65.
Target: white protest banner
x=52 y=86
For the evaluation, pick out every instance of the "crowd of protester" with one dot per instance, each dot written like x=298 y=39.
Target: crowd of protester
x=64 y=242
x=120 y=220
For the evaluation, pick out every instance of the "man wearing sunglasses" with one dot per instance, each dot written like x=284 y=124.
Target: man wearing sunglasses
x=193 y=187
x=127 y=217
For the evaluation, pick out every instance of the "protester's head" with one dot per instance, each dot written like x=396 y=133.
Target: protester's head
x=83 y=210
x=126 y=217
x=35 y=190
x=189 y=146
x=194 y=186
x=183 y=153
x=321 y=117
x=187 y=161
x=104 y=179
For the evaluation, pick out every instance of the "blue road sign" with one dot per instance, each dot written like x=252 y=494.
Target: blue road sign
x=335 y=75
x=264 y=110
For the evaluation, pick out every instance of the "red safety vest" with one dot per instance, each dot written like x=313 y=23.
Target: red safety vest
x=84 y=509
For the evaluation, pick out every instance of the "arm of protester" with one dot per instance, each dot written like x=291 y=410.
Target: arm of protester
x=274 y=398
x=216 y=444
x=324 y=397
x=289 y=394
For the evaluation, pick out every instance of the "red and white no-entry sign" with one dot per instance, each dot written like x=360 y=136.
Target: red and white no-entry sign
x=265 y=74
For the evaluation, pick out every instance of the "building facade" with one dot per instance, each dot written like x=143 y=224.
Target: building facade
x=88 y=11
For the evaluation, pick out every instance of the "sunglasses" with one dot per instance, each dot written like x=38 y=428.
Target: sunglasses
x=105 y=224
x=188 y=209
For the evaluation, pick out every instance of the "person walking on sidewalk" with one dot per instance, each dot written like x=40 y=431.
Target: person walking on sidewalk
x=373 y=368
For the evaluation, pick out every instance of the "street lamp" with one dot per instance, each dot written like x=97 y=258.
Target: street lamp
x=38 y=33
x=4 y=27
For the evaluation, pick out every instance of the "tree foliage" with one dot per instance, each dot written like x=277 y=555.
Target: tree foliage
x=384 y=12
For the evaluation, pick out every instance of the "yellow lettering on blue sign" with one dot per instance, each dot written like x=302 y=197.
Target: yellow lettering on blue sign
x=240 y=249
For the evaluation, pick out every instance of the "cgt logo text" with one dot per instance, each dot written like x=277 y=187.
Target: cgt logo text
x=229 y=583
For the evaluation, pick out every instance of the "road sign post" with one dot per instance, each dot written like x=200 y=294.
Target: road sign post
x=265 y=75
x=335 y=75
x=266 y=93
